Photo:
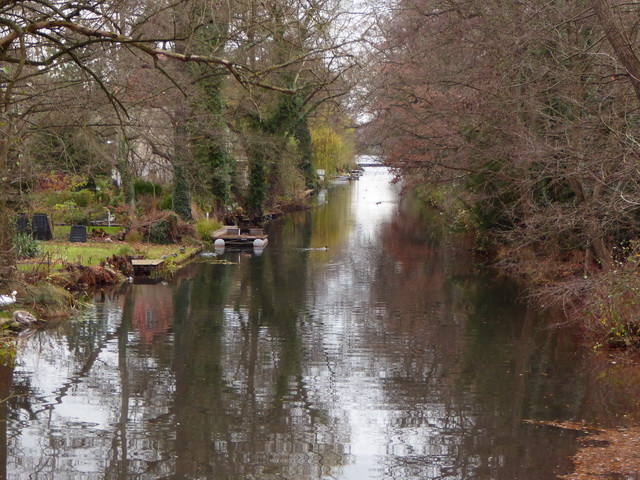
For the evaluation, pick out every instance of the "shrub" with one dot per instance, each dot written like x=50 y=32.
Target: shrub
x=52 y=199
x=117 y=200
x=158 y=232
x=75 y=216
x=83 y=198
x=143 y=187
x=133 y=236
x=125 y=250
x=167 y=202
x=206 y=227
x=52 y=298
x=26 y=246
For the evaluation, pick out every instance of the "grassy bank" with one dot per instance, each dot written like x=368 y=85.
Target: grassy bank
x=58 y=254
x=46 y=282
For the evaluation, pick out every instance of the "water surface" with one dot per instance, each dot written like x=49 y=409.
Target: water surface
x=360 y=344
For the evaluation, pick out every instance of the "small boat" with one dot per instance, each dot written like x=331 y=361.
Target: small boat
x=232 y=236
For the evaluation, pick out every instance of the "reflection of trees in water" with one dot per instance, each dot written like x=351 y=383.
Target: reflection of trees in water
x=242 y=403
x=239 y=404
x=293 y=363
x=467 y=360
x=6 y=374
x=89 y=393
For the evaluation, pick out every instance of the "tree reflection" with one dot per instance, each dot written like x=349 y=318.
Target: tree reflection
x=473 y=365
x=385 y=356
x=242 y=405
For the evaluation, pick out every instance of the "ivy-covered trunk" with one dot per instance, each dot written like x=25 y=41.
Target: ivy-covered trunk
x=211 y=151
x=258 y=180
x=303 y=136
x=181 y=184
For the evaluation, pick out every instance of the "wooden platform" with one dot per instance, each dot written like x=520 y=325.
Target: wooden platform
x=145 y=267
x=237 y=237
x=146 y=262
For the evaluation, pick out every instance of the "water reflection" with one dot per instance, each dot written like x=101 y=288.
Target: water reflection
x=384 y=355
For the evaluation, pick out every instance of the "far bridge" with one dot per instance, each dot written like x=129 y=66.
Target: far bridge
x=371 y=164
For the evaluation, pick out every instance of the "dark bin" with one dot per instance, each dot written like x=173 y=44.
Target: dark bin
x=78 y=233
x=41 y=226
x=22 y=223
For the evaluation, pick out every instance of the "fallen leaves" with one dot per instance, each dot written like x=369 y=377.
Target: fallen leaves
x=603 y=453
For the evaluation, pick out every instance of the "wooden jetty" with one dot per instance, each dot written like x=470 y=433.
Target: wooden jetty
x=145 y=266
x=240 y=237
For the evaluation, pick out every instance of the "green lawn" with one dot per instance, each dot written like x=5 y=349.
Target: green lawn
x=55 y=254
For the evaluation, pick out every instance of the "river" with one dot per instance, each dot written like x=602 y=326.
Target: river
x=362 y=343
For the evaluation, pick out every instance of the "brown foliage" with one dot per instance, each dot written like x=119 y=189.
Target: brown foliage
x=522 y=108
x=176 y=230
x=80 y=277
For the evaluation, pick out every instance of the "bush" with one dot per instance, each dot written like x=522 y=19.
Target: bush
x=159 y=232
x=26 y=246
x=142 y=187
x=75 y=216
x=52 y=199
x=133 y=236
x=206 y=227
x=83 y=198
x=51 y=298
x=125 y=250
x=167 y=202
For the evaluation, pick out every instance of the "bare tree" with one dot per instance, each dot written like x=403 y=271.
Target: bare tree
x=519 y=112
x=100 y=47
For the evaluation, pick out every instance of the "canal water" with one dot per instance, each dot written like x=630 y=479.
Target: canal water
x=362 y=343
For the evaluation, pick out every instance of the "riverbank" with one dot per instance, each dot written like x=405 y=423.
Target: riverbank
x=601 y=303
x=60 y=277
x=60 y=280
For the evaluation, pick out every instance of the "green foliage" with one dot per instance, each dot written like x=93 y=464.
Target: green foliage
x=159 y=232
x=124 y=251
x=117 y=200
x=181 y=195
x=258 y=187
x=302 y=134
x=26 y=246
x=210 y=150
x=290 y=184
x=167 y=202
x=105 y=190
x=495 y=194
x=69 y=213
x=330 y=150
x=447 y=199
x=272 y=136
x=83 y=198
x=8 y=349
x=143 y=187
x=52 y=297
x=206 y=227
x=51 y=199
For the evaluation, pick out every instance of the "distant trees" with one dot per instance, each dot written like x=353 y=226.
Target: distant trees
x=525 y=111
x=200 y=87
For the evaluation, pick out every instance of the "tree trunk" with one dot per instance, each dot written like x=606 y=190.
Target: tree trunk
x=7 y=257
x=619 y=41
x=124 y=169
